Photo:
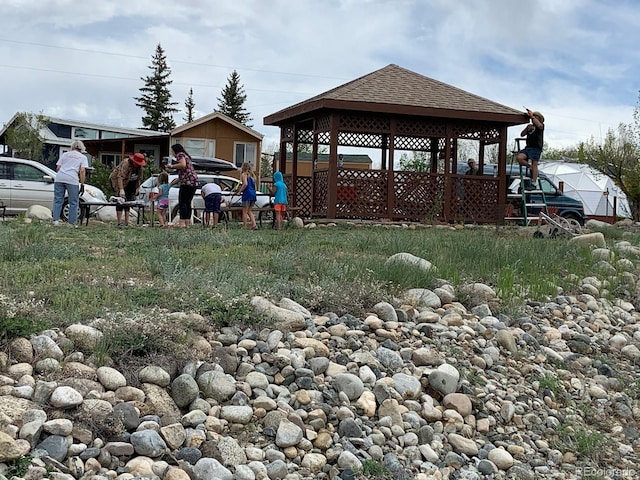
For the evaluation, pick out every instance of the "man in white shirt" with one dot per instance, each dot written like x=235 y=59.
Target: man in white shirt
x=71 y=168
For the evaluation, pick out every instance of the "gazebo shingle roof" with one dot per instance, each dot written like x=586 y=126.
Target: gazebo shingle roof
x=394 y=89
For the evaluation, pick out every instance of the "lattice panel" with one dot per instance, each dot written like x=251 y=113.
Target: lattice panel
x=419 y=128
x=286 y=133
x=422 y=144
x=418 y=196
x=303 y=195
x=356 y=123
x=324 y=138
x=470 y=131
x=305 y=136
x=320 y=193
x=352 y=139
x=361 y=194
x=323 y=123
x=474 y=199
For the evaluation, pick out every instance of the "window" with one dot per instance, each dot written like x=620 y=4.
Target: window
x=107 y=135
x=27 y=173
x=79 y=133
x=5 y=171
x=199 y=147
x=110 y=159
x=547 y=187
x=245 y=152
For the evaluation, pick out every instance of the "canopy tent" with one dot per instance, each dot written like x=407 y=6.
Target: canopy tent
x=588 y=185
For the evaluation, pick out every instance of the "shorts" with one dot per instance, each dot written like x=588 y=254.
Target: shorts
x=280 y=207
x=532 y=153
x=248 y=203
x=163 y=204
x=212 y=203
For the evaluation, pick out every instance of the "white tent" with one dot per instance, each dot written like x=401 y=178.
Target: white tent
x=588 y=185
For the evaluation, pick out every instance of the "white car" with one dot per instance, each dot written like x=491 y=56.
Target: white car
x=26 y=182
x=229 y=186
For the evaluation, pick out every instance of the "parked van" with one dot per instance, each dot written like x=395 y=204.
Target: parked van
x=557 y=202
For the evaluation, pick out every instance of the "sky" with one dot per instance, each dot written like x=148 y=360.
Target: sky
x=576 y=61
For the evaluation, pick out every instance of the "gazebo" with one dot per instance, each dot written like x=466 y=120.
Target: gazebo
x=394 y=109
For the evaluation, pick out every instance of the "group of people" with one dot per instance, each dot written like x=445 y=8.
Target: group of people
x=126 y=177
x=125 y=180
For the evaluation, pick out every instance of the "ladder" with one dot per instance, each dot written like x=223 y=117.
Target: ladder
x=525 y=200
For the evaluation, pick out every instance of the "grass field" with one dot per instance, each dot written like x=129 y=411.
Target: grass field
x=52 y=277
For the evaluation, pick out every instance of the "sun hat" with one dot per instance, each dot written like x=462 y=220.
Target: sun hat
x=138 y=159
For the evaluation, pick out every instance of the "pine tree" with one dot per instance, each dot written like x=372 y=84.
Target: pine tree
x=232 y=101
x=190 y=105
x=155 y=98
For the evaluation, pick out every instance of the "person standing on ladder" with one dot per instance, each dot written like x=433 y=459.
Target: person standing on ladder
x=530 y=154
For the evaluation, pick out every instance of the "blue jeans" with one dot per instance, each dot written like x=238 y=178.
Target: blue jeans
x=73 y=192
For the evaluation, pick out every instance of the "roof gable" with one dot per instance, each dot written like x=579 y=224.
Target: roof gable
x=392 y=87
x=220 y=116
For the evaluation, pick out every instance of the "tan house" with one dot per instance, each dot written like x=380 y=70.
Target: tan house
x=217 y=135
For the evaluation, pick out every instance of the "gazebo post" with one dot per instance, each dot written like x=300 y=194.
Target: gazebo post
x=391 y=186
x=332 y=188
x=383 y=152
x=447 y=207
x=294 y=166
x=314 y=160
x=502 y=175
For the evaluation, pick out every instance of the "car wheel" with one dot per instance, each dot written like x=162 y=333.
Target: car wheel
x=64 y=213
x=573 y=218
x=266 y=216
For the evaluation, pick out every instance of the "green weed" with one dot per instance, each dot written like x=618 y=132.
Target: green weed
x=550 y=382
x=587 y=444
x=18 y=467
x=373 y=469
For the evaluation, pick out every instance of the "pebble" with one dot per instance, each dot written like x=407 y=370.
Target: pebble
x=428 y=387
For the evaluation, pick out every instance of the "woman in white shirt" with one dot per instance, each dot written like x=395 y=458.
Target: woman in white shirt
x=71 y=168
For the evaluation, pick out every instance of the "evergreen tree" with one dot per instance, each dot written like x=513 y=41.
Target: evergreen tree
x=232 y=101
x=190 y=105
x=155 y=98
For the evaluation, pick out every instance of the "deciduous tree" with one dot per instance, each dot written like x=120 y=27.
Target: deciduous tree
x=23 y=136
x=155 y=97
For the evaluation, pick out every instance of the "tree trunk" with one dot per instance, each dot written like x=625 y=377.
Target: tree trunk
x=634 y=206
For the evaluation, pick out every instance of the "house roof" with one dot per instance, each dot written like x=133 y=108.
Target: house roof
x=396 y=90
x=49 y=137
x=221 y=116
x=324 y=157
